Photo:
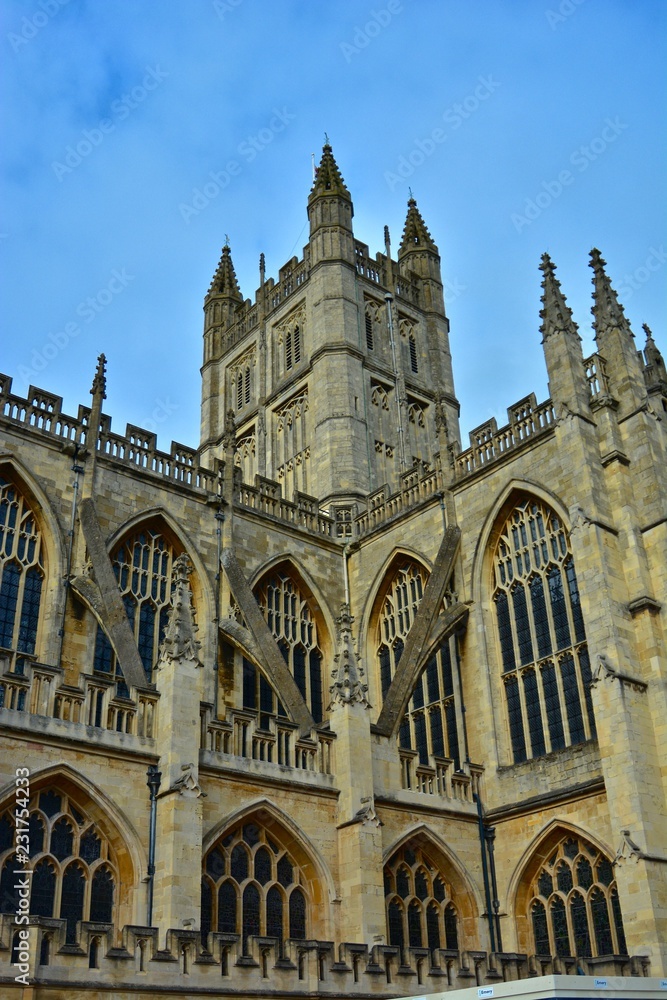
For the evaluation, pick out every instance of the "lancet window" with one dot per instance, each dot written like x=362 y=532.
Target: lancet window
x=293 y=625
x=418 y=899
x=74 y=869
x=574 y=908
x=252 y=885
x=21 y=571
x=430 y=725
x=541 y=634
x=292 y=347
x=143 y=566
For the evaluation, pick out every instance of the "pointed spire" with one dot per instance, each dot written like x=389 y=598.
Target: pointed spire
x=347 y=687
x=415 y=234
x=607 y=311
x=328 y=178
x=224 y=280
x=179 y=638
x=99 y=386
x=555 y=313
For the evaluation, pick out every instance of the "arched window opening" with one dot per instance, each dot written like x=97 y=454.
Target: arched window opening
x=292 y=623
x=369 y=331
x=75 y=875
x=143 y=565
x=419 y=901
x=541 y=636
x=573 y=903
x=21 y=571
x=252 y=886
x=430 y=724
x=292 y=348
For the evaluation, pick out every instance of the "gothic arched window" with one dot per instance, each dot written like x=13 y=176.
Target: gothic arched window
x=430 y=723
x=546 y=668
x=293 y=625
x=418 y=898
x=251 y=885
x=143 y=566
x=74 y=868
x=574 y=907
x=21 y=571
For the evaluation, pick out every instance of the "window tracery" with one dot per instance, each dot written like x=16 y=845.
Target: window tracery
x=74 y=868
x=241 y=378
x=245 y=455
x=21 y=571
x=293 y=625
x=252 y=885
x=574 y=908
x=430 y=724
x=291 y=449
x=541 y=634
x=418 y=898
x=143 y=565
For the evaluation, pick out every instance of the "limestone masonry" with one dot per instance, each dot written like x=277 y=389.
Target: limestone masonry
x=333 y=705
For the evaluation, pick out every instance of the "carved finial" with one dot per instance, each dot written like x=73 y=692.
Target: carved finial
x=99 y=387
x=347 y=687
x=555 y=313
x=229 y=435
x=262 y=268
x=179 y=637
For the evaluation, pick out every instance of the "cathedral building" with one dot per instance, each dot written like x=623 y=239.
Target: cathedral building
x=335 y=703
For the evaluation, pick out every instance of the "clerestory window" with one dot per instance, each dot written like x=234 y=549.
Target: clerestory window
x=541 y=634
x=430 y=724
x=293 y=625
x=143 y=565
x=21 y=571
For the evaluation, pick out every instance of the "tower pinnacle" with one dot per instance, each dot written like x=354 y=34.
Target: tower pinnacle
x=415 y=234
x=328 y=178
x=555 y=313
x=607 y=311
x=224 y=282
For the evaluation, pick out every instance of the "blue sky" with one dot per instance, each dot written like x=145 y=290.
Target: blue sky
x=521 y=126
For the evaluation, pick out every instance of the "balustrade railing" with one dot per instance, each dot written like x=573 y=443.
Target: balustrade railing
x=274 y=742
x=416 y=485
x=439 y=777
x=488 y=443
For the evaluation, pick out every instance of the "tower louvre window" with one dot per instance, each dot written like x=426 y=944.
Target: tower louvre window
x=369 y=332
x=546 y=674
x=412 y=344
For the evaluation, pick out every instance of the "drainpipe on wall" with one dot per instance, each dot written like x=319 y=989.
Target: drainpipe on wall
x=485 y=870
x=153 y=779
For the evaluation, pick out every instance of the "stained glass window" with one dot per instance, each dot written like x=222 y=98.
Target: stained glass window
x=420 y=902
